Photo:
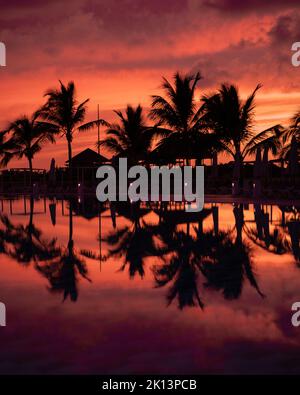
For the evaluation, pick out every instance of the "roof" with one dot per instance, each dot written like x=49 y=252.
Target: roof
x=87 y=158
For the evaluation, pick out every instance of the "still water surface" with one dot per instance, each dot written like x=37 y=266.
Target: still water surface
x=140 y=290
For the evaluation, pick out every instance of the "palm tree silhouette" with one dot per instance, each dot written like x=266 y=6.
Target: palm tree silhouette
x=26 y=138
x=180 y=268
x=181 y=127
x=273 y=241
x=133 y=243
x=62 y=273
x=233 y=119
x=240 y=259
x=26 y=244
x=5 y=146
x=131 y=138
x=292 y=132
x=230 y=265
x=65 y=113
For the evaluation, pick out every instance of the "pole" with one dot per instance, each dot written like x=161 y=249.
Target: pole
x=98 y=124
x=100 y=236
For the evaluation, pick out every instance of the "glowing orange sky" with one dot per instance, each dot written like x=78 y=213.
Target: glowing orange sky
x=117 y=51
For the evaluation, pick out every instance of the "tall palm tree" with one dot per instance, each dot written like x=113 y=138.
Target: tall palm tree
x=233 y=120
x=26 y=137
x=178 y=111
x=131 y=138
x=292 y=132
x=179 y=118
x=64 y=111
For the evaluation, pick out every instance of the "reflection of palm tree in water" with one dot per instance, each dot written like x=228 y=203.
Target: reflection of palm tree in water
x=293 y=226
x=62 y=273
x=25 y=243
x=276 y=241
x=180 y=268
x=224 y=263
x=228 y=267
x=134 y=242
x=231 y=261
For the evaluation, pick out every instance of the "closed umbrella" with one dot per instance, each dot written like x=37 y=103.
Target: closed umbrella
x=52 y=209
x=52 y=176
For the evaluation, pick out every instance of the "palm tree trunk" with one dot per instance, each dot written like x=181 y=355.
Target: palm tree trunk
x=70 y=161
x=238 y=167
x=70 y=241
x=31 y=212
x=30 y=171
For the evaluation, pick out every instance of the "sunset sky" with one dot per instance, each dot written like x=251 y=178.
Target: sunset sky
x=116 y=51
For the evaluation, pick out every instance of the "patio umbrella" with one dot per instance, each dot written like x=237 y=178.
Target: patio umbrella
x=293 y=157
x=113 y=214
x=52 y=176
x=52 y=210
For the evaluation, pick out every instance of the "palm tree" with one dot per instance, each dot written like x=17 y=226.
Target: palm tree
x=291 y=133
x=5 y=147
x=180 y=121
x=65 y=113
x=131 y=138
x=26 y=138
x=233 y=119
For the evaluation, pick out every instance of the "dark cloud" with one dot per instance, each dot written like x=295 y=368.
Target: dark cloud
x=249 y=5
x=286 y=29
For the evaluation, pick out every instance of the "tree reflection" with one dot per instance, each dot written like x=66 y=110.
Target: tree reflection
x=231 y=262
x=283 y=238
x=25 y=243
x=224 y=260
x=132 y=243
x=63 y=273
x=180 y=269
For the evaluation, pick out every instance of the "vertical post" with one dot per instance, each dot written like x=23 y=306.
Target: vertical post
x=99 y=237
x=98 y=124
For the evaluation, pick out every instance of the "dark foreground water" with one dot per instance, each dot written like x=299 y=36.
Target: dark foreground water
x=142 y=290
